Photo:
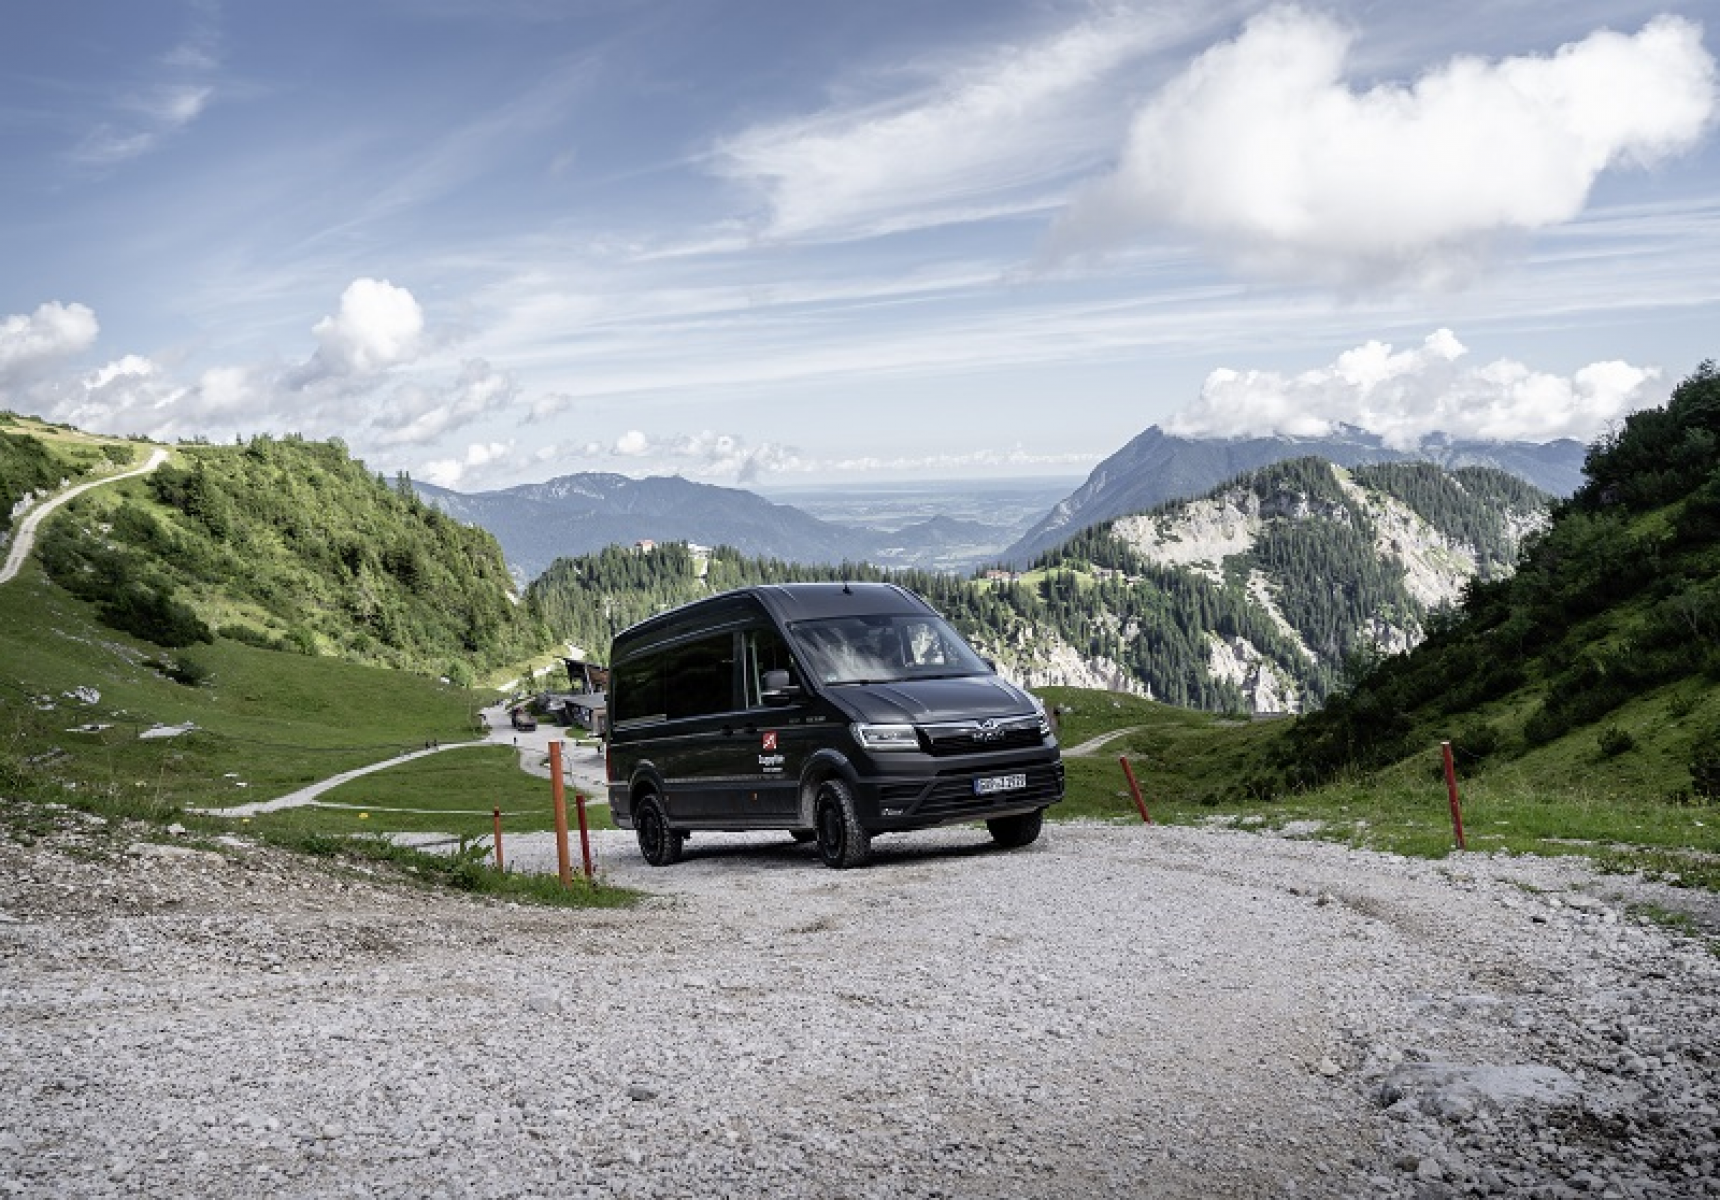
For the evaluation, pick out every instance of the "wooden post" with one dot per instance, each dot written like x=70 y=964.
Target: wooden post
x=1134 y=789
x=1451 y=790
x=556 y=790
x=584 y=832
x=497 y=814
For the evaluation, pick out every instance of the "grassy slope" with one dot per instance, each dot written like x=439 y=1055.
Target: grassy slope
x=1565 y=798
x=274 y=721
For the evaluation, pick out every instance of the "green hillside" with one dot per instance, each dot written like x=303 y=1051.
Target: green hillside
x=292 y=546
x=38 y=458
x=1595 y=666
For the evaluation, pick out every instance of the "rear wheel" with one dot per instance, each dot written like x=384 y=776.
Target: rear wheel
x=1019 y=830
x=841 y=841
x=660 y=844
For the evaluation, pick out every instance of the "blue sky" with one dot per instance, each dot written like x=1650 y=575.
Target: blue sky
x=492 y=241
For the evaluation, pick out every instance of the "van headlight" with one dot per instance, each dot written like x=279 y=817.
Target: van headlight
x=886 y=737
x=1044 y=717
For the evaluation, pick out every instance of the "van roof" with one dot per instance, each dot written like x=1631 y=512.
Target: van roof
x=802 y=601
x=787 y=602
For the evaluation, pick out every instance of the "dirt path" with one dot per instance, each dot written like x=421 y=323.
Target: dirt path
x=25 y=541
x=1116 y=1012
x=1094 y=745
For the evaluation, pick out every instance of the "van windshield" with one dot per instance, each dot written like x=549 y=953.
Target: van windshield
x=885 y=649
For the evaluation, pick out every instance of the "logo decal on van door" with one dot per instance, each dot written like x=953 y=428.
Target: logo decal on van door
x=770 y=740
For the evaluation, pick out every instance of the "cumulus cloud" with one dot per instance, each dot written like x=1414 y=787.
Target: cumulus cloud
x=1264 y=150
x=32 y=344
x=632 y=444
x=1019 y=120
x=728 y=455
x=450 y=472
x=416 y=413
x=707 y=453
x=1403 y=396
x=378 y=326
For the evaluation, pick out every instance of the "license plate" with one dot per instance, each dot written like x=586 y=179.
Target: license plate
x=992 y=784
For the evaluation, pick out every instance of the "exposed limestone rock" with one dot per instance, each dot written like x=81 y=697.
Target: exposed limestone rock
x=1237 y=662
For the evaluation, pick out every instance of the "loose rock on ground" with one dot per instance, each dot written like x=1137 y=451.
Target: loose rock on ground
x=1115 y=1011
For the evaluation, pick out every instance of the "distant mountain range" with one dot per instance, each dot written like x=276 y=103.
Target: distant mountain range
x=1157 y=466
x=580 y=514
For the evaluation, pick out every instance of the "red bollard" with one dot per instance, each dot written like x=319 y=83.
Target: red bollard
x=497 y=814
x=564 y=868
x=1451 y=789
x=584 y=832
x=1134 y=788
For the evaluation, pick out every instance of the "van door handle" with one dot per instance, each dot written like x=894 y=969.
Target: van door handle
x=730 y=731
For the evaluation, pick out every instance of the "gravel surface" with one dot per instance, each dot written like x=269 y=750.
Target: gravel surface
x=1115 y=1011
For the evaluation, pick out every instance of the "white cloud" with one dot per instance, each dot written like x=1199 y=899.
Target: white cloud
x=1403 y=396
x=1264 y=150
x=378 y=326
x=728 y=455
x=632 y=444
x=35 y=343
x=450 y=472
x=1020 y=120
x=416 y=413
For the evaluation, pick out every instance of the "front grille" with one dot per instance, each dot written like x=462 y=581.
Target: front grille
x=953 y=796
x=969 y=737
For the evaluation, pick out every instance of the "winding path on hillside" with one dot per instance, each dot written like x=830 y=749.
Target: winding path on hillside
x=26 y=539
x=533 y=748
x=1095 y=744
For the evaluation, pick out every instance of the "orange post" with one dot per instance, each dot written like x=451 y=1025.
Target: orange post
x=497 y=814
x=1134 y=788
x=584 y=832
x=556 y=790
x=1451 y=790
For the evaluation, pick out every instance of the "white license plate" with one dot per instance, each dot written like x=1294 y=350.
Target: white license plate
x=992 y=784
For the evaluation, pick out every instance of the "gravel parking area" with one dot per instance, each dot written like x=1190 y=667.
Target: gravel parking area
x=1115 y=1011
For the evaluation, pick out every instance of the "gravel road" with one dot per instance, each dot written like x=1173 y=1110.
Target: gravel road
x=1115 y=1011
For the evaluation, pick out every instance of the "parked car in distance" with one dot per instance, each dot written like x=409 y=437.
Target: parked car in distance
x=832 y=711
x=523 y=719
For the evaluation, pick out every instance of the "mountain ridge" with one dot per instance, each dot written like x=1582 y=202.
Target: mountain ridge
x=1155 y=466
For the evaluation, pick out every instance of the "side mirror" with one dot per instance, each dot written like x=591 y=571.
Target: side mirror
x=778 y=689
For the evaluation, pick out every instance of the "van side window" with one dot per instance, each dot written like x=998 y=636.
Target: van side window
x=636 y=691
x=699 y=677
x=765 y=651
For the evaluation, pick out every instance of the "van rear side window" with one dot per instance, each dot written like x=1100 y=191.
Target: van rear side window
x=692 y=679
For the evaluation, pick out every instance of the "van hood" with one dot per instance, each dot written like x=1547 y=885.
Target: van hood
x=929 y=701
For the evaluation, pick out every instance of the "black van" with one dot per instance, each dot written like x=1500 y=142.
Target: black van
x=834 y=711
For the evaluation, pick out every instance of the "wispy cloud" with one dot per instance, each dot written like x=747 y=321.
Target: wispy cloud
x=146 y=116
x=1018 y=125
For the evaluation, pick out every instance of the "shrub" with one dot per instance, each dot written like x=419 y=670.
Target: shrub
x=1705 y=773
x=1614 y=741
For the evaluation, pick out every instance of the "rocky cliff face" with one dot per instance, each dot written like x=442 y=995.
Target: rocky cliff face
x=1319 y=561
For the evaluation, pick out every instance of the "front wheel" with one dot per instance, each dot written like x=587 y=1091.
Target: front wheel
x=1020 y=830
x=841 y=841
x=660 y=844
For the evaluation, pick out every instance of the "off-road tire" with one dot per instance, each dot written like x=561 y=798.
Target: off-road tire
x=1020 y=830
x=658 y=842
x=841 y=841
